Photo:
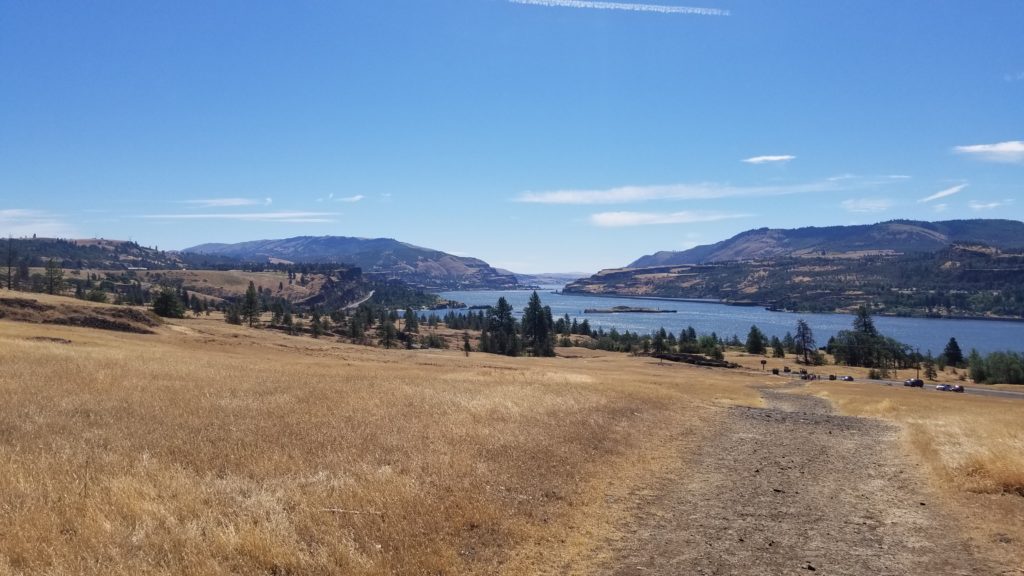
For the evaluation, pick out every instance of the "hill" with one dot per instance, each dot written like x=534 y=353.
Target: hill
x=384 y=257
x=894 y=237
x=970 y=268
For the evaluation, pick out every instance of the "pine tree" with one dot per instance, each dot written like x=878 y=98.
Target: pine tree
x=755 y=341
x=167 y=304
x=538 y=328
x=251 y=305
x=804 y=340
x=778 y=351
x=412 y=322
x=54 y=277
x=232 y=315
x=466 y=347
x=386 y=333
x=953 y=354
x=11 y=257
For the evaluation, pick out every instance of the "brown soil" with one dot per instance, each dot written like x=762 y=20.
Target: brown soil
x=793 y=489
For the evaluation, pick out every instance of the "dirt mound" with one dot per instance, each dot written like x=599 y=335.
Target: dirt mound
x=120 y=319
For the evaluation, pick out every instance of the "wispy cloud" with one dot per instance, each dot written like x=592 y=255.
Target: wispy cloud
x=943 y=193
x=982 y=206
x=627 y=194
x=769 y=159
x=1010 y=152
x=866 y=205
x=347 y=199
x=294 y=217
x=659 y=8
x=18 y=222
x=229 y=202
x=1014 y=76
x=620 y=219
x=940 y=208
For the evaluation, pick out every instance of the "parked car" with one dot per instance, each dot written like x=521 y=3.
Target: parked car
x=943 y=387
x=914 y=383
x=846 y=378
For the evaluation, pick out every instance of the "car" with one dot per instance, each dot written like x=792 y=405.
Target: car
x=914 y=383
x=956 y=388
x=943 y=387
x=846 y=378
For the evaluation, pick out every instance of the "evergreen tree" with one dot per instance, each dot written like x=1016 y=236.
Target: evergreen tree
x=386 y=333
x=778 y=351
x=316 y=327
x=251 y=305
x=412 y=322
x=929 y=367
x=538 y=329
x=167 y=304
x=466 y=347
x=12 y=256
x=804 y=340
x=789 y=343
x=953 y=355
x=755 y=341
x=659 y=342
x=232 y=315
x=54 y=277
x=500 y=335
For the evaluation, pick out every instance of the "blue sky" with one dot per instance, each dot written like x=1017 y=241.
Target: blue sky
x=539 y=135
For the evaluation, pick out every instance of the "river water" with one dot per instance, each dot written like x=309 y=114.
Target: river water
x=922 y=333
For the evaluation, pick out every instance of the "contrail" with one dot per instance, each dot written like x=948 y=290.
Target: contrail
x=625 y=6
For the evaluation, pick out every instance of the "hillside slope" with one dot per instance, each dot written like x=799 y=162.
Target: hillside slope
x=385 y=257
x=897 y=236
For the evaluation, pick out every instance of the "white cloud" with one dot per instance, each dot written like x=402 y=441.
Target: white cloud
x=979 y=206
x=21 y=223
x=939 y=208
x=592 y=5
x=943 y=193
x=627 y=194
x=866 y=205
x=352 y=199
x=1011 y=152
x=769 y=159
x=620 y=219
x=295 y=217
x=228 y=202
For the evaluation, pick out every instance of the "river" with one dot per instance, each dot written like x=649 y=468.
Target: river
x=922 y=333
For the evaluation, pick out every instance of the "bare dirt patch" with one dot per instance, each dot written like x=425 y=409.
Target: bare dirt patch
x=793 y=488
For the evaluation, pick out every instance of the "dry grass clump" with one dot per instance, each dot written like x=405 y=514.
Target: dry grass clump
x=211 y=449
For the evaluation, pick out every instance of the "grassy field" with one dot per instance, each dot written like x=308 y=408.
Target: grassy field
x=215 y=449
x=208 y=449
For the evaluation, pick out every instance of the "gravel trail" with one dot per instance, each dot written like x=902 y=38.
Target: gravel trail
x=793 y=489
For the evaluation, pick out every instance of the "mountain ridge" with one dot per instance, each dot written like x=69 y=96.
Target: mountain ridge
x=893 y=236
x=387 y=257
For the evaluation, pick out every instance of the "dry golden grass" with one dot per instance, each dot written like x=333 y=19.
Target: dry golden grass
x=973 y=447
x=215 y=449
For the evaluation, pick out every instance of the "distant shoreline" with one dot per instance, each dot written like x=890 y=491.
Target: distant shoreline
x=749 y=304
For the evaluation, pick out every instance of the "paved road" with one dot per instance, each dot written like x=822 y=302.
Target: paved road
x=967 y=389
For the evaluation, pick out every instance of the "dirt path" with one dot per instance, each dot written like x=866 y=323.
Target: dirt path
x=793 y=489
